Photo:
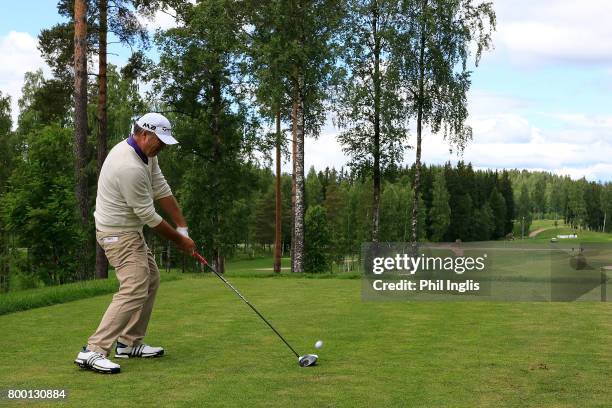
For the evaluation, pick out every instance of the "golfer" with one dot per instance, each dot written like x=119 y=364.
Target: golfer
x=130 y=181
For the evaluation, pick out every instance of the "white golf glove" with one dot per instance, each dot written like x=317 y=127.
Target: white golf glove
x=182 y=231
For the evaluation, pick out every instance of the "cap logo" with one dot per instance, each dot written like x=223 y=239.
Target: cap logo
x=153 y=127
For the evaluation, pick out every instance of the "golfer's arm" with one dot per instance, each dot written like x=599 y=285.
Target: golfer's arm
x=164 y=229
x=170 y=207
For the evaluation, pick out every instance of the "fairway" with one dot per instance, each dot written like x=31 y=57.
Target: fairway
x=450 y=354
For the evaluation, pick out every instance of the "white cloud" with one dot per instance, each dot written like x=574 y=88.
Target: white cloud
x=542 y=152
x=552 y=31
x=20 y=55
x=325 y=151
x=161 y=20
x=502 y=127
x=579 y=148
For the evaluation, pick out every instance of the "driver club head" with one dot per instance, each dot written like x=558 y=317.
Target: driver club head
x=308 y=360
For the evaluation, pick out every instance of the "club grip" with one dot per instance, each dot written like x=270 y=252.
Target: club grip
x=200 y=258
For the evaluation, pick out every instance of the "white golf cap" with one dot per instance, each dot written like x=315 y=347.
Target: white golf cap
x=158 y=124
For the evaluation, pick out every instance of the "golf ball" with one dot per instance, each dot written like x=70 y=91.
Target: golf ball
x=319 y=344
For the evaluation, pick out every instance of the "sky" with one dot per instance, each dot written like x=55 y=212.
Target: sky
x=539 y=100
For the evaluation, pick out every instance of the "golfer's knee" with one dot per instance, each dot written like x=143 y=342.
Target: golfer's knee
x=137 y=290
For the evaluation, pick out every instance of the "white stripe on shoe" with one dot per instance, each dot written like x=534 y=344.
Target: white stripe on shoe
x=140 y=350
x=97 y=362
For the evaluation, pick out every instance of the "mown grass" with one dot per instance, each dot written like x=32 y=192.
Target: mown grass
x=544 y=223
x=376 y=354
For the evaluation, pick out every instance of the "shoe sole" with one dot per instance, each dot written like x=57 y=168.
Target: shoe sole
x=97 y=370
x=143 y=356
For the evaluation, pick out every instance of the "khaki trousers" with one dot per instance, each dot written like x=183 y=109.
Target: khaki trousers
x=127 y=317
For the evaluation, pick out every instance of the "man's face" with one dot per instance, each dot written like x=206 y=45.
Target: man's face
x=151 y=144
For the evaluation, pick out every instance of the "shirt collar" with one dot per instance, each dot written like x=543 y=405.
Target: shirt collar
x=139 y=152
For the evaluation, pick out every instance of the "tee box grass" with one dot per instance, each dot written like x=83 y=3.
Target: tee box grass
x=218 y=353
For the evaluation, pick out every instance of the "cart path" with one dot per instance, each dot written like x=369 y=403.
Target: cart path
x=536 y=232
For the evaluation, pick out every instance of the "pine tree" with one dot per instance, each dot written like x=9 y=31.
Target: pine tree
x=440 y=211
x=498 y=208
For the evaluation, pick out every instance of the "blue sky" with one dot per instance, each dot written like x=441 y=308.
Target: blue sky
x=539 y=100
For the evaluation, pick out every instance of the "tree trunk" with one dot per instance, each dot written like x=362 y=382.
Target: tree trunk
x=80 y=120
x=217 y=108
x=293 y=152
x=298 y=255
x=417 y=170
x=101 y=261
x=376 y=152
x=277 y=215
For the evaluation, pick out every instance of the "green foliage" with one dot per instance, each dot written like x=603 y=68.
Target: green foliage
x=195 y=79
x=39 y=207
x=314 y=189
x=396 y=211
x=576 y=205
x=440 y=212
x=316 y=240
x=123 y=103
x=369 y=97
x=262 y=223
x=498 y=208
x=433 y=54
x=483 y=223
x=523 y=210
x=7 y=148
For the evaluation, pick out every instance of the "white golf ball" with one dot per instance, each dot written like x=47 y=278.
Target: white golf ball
x=319 y=344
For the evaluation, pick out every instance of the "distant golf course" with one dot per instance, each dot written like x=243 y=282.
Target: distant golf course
x=429 y=354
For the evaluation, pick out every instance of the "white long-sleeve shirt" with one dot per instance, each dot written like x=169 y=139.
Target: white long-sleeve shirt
x=127 y=188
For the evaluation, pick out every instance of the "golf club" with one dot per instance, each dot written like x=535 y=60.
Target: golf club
x=306 y=360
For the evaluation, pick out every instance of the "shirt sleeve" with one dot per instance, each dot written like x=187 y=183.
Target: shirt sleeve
x=161 y=188
x=137 y=194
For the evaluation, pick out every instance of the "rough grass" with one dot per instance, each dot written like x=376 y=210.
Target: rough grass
x=51 y=295
x=32 y=298
x=388 y=354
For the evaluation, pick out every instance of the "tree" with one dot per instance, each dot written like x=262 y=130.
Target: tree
x=7 y=160
x=309 y=27
x=392 y=209
x=57 y=47
x=317 y=241
x=498 y=209
x=461 y=219
x=592 y=199
x=102 y=116
x=263 y=231
x=267 y=51
x=80 y=117
x=369 y=102
x=577 y=211
x=7 y=152
x=523 y=210
x=39 y=207
x=506 y=190
x=539 y=194
x=433 y=53
x=337 y=209
x=556 y=198
x=314 y=190
x=196 y=80
x=482 y=224
x=440 y=212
